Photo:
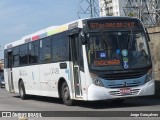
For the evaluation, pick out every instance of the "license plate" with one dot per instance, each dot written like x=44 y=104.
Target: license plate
x=125 y=91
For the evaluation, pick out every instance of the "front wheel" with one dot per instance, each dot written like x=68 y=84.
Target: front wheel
x=66 y=95
x=22 y=91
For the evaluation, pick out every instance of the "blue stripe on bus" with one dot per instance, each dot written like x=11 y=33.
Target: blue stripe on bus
x=67 y=71
x=32 y=75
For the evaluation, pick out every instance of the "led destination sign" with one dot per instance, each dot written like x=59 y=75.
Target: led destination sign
x=106 y=62
x=112 y=24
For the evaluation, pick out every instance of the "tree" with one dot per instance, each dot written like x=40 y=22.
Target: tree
x=132 y=14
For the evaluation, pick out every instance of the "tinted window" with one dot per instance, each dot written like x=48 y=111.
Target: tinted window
x=33 y=52
x=24 y=54
x=65 y=47
x=60 y=48
x=45 y=50
x=16 y=56
x=56 y=48
x=5 y=59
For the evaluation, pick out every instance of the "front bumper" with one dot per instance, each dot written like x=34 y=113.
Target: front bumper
x=102 y=93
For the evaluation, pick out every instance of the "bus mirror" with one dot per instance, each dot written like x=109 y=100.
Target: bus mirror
x=147 y=34
x=82 y=37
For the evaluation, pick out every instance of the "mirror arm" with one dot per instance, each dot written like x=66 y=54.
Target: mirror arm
x=82 y=37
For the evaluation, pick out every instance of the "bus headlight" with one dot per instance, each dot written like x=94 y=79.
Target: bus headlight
x=96 y=80
x=149 y=76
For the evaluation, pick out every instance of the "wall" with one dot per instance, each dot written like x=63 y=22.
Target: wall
x=154 y=34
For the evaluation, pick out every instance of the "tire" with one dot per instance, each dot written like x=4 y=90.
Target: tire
x=22 y=91
x=66 y=95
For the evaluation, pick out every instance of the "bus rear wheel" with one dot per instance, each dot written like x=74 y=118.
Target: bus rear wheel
x=22 y=91
x=66 y=95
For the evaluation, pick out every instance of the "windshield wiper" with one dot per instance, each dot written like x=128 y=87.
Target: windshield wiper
x=104 y=40
x=130 y=40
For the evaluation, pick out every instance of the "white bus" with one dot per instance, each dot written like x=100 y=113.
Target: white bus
x=88 y=59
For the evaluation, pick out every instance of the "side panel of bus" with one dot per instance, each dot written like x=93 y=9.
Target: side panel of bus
x=30 y=77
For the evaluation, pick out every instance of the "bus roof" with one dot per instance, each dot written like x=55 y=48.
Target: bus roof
x=46 y=32
x=55 y=30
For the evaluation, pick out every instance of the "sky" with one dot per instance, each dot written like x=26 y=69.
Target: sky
x=23 y=17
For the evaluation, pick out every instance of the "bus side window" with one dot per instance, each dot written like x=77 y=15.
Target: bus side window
x=6 y=59
x=23 y=54
x=33 y=52
x=65 y=47
x=60 y=47
x=56 y=48
x=16 y=56
x=45 y=50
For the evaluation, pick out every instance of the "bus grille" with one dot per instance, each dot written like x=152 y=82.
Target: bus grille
x=119 y=76
x=117 y=93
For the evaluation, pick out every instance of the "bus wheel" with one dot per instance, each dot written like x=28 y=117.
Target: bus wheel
x=66 y=95
x=22 y=92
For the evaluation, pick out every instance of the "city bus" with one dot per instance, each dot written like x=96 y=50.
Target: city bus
x=105 y=58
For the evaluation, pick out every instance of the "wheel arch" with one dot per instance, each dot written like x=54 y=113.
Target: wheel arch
x=20 y=80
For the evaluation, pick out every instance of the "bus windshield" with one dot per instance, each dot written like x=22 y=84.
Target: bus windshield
x=117 y=50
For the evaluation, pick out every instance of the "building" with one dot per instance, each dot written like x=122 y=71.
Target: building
x=1 y=64
x=112 y=7
x=146 y=10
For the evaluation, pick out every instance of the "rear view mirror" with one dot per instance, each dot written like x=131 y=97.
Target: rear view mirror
x=147 y=35
x=82 y=37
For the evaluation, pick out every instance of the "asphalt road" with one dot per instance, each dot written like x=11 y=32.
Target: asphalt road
x=12 y=102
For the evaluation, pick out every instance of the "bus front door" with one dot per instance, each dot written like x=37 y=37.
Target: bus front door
x=9 y=72
x=76 y=65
